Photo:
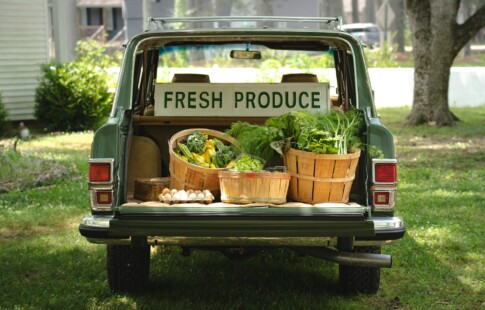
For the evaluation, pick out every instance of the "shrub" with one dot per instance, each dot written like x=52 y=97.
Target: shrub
x=4 y=124
x=74 y=96
x=382 y=57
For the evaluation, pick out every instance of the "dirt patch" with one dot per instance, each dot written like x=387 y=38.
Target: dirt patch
x=50 y=172
x=407 y=149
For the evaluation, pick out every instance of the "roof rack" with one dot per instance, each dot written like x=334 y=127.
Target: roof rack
x=335 y=21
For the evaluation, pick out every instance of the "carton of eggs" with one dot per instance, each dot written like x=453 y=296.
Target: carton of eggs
x=171 y=196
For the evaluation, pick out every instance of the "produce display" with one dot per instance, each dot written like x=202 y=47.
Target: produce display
x=206 y=152
x=323 y=133
x=266 y=145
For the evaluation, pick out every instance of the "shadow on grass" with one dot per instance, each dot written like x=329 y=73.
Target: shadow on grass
x=421 y=280
x=64 y=271
x=270 y=278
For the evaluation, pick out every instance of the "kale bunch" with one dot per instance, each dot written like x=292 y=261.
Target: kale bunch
x=224 y=154
x=196 y=142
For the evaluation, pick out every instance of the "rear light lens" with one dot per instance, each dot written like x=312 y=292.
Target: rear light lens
x=104 y=197
x=385 y=171
x=385 y=184
x=101 y=183
x=101 y=199
x=382 y=198
x=100 y=171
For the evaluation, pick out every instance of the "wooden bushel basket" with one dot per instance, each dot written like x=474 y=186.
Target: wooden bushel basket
x=254 y=187
x=318 y=178
x=185 y=175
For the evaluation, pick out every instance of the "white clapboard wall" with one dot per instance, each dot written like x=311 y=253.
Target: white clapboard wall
x=24 y=46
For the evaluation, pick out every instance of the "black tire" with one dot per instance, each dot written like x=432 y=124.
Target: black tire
x=355 y=279
x=128 y=268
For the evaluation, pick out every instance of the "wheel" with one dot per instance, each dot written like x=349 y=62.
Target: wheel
x=355 y=279
x=128 y=267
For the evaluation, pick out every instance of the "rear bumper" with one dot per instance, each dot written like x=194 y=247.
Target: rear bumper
x=289 y=229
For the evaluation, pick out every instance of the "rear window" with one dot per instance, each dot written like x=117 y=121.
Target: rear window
x=216 y=61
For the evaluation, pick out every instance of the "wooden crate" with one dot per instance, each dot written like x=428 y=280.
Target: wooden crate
x=185 y=175
x=254 y=187
x=317 y=178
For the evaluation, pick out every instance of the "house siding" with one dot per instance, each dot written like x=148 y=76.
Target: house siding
x=24 y=46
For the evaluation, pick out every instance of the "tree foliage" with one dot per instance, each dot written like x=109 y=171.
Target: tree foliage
x=74 y=96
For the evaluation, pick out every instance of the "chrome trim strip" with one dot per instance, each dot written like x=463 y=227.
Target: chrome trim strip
x=387 y=223
x=100 y=221
x=380 y=223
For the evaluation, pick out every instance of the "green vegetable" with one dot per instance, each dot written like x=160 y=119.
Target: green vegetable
x=184 y=150
x=219 y=145
x=224 y=154
x=255 y=140
x=196 y=142
x=317 y=141
x=325 y=133
x=246 y=163
x=344 y=128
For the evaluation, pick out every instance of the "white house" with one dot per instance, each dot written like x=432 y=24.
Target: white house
x=24 y=46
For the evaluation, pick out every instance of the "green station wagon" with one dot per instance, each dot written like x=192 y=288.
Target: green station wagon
x=212 y=72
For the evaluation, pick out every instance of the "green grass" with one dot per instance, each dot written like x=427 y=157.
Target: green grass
x=46 y=264
x=441 y=197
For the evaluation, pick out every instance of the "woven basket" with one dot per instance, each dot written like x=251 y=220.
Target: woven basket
x=148 y=189
x=185 y=175
x=317 y=178
x=254 y=187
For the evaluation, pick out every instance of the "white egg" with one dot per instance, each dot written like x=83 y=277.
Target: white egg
x=176 y=196
x=183 y=195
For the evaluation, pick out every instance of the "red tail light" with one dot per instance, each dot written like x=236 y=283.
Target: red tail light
x=101 y=183
x=385 y=171
x=100 y=171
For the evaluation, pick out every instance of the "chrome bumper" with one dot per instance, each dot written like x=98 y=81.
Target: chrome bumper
x=96 y=230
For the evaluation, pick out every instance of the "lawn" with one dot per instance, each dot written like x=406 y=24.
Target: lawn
x=440 y=263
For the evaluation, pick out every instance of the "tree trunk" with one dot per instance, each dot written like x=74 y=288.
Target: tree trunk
x=355 y=11
x=467 y=12
x=431 y=81
x=398 y=8
x=433 y=58
x=370 y=11
x=266 y=9
x=332 y=8
x=437 y=40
